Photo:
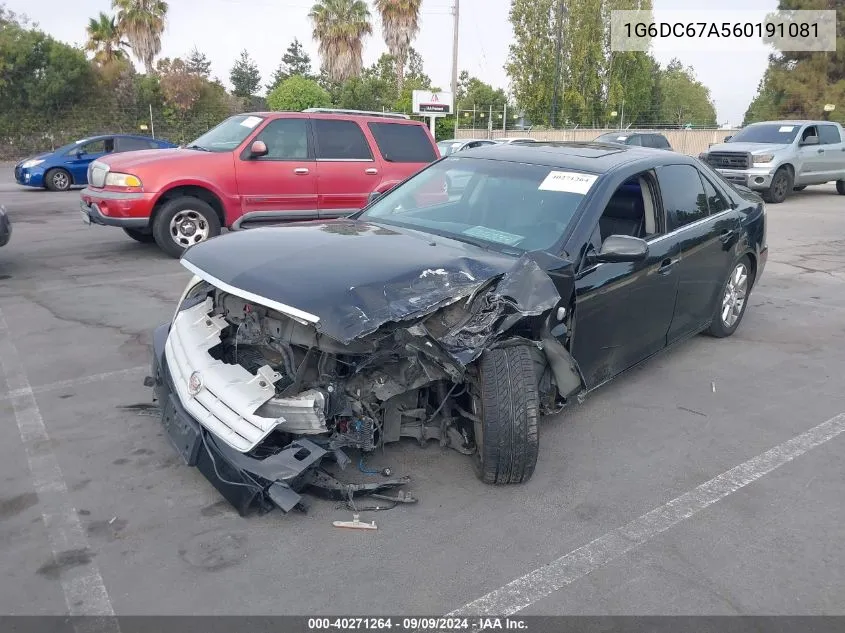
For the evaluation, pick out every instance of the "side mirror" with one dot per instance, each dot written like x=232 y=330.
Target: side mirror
x=622 y=248
x=810 y=140
x=258 y=149
x=728 y=137
x=80 y=153
x=375 y=195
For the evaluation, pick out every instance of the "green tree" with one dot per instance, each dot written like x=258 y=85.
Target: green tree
x=104 y=39
x=245 y=76
x=297 y=93
x=295 y=61
x=531 y=56
x=142 y=22
x=400 y=23
x=797 y=85
x=472 y=92
x=198 y=64
x=340 y=27
x=685 y=100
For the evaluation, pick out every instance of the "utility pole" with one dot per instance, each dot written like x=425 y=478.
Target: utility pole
x=455 y=12
x=558 y=53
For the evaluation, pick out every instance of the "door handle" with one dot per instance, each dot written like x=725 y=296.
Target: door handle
x=726 y=235
x=300 y=171
x=371 y=171
x=821 y=151
x=666 y=266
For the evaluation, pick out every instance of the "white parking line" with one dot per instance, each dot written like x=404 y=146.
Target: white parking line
x=533 y=586
x=74 y=382
x=84 y=590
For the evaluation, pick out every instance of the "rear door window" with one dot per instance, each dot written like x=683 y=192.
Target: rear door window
x=829 y=135
x=402 y=143
x=715 y=200
x=132 y=144
x=683 y=194
x=341 y=140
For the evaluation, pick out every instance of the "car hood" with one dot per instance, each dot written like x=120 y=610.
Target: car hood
x=141 y=158
x=753 y=148
x=42 y=156
x=349 y=277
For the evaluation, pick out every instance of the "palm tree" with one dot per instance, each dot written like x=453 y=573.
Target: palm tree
x=339 y=28
x=142 y=22
x=400 y=22
x=104 y=39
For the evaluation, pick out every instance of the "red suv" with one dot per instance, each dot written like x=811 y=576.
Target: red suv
x=255 y=168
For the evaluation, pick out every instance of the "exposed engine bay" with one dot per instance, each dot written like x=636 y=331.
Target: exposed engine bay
x=278 y=390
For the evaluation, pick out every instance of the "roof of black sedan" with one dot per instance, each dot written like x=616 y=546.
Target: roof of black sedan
x=593 y=157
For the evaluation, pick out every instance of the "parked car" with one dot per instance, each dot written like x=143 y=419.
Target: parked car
x=643 y=139
x=5 y=227
x=460 y=320
x=265 y=167
x=450 y=146
x=67 y=166
x=778 y=157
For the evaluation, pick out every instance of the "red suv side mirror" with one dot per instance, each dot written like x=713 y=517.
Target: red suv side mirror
x=258 y=149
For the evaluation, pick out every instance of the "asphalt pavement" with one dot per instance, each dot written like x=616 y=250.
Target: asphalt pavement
x=98 y=515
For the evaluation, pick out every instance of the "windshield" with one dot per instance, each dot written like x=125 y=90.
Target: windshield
x=775 y=134
x=503 y=205
x=228 y=135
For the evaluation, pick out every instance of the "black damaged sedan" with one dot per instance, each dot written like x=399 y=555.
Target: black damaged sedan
x=454 y=313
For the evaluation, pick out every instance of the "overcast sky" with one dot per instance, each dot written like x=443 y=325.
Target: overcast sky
x=222 y=28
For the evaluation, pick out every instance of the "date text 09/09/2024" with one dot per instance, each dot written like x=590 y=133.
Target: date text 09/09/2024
x=417 y=624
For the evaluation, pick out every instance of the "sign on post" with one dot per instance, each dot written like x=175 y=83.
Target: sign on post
x=433 y=105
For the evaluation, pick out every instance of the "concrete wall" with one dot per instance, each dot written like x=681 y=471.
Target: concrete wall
x=691 y=142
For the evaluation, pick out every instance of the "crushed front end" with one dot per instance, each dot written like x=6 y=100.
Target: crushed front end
x=268 y=403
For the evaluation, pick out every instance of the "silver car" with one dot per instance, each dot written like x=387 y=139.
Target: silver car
x=452 y=145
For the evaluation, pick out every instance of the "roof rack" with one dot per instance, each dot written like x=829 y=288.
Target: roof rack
x=387 y=115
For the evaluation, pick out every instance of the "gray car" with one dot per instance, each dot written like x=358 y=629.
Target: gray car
x=5 y=227
x=452 y=145
x=777 y=157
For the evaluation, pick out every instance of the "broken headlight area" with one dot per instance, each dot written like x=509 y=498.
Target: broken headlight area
x=268 y=407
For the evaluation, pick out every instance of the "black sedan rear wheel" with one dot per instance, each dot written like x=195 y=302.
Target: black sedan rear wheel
x=734 y=299
x=507 y=435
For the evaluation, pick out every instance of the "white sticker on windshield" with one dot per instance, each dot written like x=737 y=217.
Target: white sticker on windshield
x=786 y=128
x=492 y=235
x=621 y=138
x=251 y=121
x=568 y=181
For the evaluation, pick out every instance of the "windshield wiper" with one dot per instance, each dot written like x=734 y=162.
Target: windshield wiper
x=199 y=147
x=487 y=246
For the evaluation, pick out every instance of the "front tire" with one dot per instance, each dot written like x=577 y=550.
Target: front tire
x=733 y=300
x=183 y=222
x=145 y=236
x=507 y=436
x=57 y=180
x=840 y=187
x=780 y=187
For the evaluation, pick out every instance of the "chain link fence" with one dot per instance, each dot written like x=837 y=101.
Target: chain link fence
x=24 y=136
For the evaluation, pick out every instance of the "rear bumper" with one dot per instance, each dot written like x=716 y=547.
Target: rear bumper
x=107 y=208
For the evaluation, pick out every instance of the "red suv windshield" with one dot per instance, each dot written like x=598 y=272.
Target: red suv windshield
x=228 y=135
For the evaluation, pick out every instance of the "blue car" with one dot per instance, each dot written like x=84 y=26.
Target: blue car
x=67 y=166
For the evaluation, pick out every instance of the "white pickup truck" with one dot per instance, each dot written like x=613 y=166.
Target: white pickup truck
x=778 y=157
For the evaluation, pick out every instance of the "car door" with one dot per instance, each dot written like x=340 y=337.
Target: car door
x=347 y=170
x=705 y=226
x=284 y=180
x=623 y=310
x=810 y=157
x=833 y=159
x=84 y=154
